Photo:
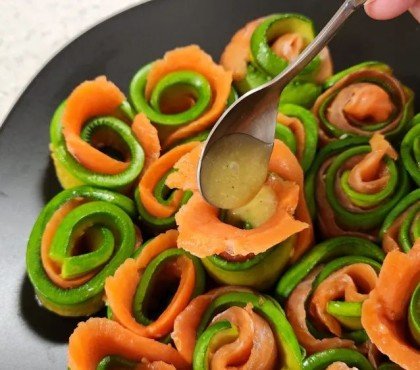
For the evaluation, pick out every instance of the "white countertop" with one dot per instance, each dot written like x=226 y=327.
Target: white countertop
x=32 y=31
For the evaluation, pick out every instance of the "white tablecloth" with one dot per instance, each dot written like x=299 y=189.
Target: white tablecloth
x=32 y=31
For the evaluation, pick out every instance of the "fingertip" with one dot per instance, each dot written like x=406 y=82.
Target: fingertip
x=415 y=10
x=387 y=9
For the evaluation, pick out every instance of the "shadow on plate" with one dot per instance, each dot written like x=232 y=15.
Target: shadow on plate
x=45 y=323
x=50 y=185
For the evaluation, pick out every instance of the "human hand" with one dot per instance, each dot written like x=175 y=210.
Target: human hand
x=387 y=9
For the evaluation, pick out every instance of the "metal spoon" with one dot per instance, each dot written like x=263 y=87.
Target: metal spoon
x=249 y=126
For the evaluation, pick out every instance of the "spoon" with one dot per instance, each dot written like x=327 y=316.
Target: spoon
x=234 y=162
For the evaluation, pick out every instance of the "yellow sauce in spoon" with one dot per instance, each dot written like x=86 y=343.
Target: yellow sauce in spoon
x=234 y=170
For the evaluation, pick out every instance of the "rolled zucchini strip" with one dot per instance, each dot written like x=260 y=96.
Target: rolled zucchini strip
x=298 y=129
x=148 y=291
x=258 y=272
x=324 y=292
x=92 y=141
x=103 y=344
x=401 y=227
x=337 y=356
x=410 y=150
x=352 y=187
x=300 y=92
x=264 y=47
x=80 y=238
x=362 y=100
x=391 y=314
x=234 y=326
x=184 y=93
x=291 y=33
x=157 y=204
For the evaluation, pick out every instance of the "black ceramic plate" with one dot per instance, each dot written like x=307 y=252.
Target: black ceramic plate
x=31 y=337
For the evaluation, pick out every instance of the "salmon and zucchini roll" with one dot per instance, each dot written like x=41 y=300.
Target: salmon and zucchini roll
x=323 y=293
x=236 y=328
x=150 y=290
x=363 y=100
x=250 y=245
x=401 y=227
x=410 y=150
x=265 y=46
x=97 y=140
x=353 y=185
x=183 y=94
x=79 y=239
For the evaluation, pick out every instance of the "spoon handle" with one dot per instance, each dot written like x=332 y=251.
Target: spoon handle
x=320 y=41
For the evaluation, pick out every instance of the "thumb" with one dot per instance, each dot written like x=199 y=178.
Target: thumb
x=415 y=10
x=387 y=9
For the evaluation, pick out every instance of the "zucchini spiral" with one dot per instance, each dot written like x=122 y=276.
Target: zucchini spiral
x=148 y=291
x=353 y=186
x=337 y=359
x=298 y=129
x=80 y=238
x=184 y=93
x=93 y=138
x=362 y=100
x=401 y=227
x=410 y=150
x=324 y=292
x=236 y=327
x=255 y=271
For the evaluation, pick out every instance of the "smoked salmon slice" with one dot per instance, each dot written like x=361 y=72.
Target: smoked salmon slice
x=147 y=135
x=98 y=338
x=88 y=100
x=237 y=53
x=154 y=174
x=368 y=176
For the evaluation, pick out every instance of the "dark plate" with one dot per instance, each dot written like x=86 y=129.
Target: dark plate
x=31 y=337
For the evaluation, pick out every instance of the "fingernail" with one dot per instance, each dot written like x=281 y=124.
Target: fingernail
x=369 y=2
